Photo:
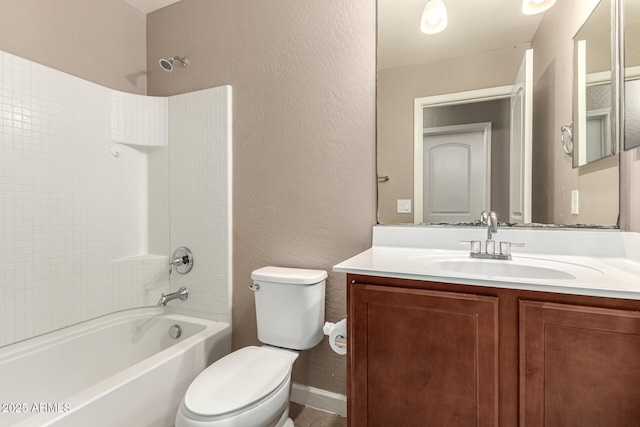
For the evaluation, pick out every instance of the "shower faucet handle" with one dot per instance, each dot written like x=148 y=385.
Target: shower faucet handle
x=181 y=260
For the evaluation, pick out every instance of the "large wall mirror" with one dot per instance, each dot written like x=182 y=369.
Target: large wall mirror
x=497 y=82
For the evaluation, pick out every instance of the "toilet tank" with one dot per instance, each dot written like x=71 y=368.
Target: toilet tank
x=289 y=306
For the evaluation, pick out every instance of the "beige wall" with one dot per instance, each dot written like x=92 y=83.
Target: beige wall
x=303 y=78
x=97 y=40
x=397 y=88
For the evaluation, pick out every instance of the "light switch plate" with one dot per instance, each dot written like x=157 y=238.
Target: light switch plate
x=404 y=205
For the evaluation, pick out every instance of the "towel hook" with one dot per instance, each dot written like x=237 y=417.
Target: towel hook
x=567 y=145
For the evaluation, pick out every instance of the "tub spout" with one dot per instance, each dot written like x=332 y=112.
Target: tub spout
x=182 y=294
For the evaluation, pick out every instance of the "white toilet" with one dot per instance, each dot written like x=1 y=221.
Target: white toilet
x=251 y=386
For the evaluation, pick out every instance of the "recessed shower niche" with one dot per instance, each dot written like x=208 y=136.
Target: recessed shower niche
x=137 y=182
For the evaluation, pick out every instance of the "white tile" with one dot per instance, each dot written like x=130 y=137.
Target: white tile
x=200 y=197
x=56 y=213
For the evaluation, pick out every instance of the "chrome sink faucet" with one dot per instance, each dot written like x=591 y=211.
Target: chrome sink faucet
x=182 y=294
x=491 y=220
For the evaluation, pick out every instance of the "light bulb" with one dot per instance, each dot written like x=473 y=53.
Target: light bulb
x=434 y=17
x=533 y=7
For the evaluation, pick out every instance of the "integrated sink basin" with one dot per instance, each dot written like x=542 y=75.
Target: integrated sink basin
x=520 y=268
x=599 y=263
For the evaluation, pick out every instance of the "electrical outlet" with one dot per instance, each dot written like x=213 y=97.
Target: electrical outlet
x=574 y=202
x=404 y=205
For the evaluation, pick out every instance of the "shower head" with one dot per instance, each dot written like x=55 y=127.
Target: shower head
x=167 y=64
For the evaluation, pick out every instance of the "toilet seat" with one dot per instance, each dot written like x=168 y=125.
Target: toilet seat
x=238 y=382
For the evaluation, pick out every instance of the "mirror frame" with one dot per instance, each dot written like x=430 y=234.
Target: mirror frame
x=617 y=73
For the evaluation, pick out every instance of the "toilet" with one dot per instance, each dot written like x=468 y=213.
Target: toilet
x=251 y=386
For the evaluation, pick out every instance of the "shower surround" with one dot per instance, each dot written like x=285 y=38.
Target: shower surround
x=87 y=178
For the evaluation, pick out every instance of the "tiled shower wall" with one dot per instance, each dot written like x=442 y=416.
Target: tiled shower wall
x=200 y=189
x=82 y=199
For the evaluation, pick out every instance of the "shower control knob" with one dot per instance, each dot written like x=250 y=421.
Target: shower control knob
x=181 y=260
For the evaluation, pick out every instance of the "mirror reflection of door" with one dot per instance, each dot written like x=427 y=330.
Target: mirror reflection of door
x=509 y=111
x=456 y=173
x=598 y=139
x=521 y=143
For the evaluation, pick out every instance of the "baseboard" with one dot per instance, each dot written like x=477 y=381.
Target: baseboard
x=319 y=399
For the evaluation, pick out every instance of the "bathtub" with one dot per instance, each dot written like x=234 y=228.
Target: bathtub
x=123 y=369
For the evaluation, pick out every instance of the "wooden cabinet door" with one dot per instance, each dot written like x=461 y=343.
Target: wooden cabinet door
x=579 y=366
x=422 y=358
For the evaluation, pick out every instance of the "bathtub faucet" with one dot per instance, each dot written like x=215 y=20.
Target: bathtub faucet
x=181 y=293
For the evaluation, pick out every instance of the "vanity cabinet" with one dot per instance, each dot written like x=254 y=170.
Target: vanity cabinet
x=435 y=354
x=424 y=357
x=580 y=366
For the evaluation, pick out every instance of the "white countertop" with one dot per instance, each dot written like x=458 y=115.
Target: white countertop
x=406 y=252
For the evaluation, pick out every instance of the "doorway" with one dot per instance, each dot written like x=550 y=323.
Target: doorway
x=520 y=96
x=456 y=172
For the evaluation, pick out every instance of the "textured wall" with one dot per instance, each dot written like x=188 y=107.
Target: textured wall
x=397 y=88
x=303 y=78
x=97 y=40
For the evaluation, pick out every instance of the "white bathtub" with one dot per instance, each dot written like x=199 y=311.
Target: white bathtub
x=122 y=369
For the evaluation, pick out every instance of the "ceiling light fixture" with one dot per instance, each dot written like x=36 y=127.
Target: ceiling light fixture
x=434 y=17
x=533 y=7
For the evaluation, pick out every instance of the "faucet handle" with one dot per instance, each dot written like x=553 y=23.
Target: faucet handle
x=475 y=245
x=182 y=260
x=505 y=247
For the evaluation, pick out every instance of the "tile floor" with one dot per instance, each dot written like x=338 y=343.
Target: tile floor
x=304 y=416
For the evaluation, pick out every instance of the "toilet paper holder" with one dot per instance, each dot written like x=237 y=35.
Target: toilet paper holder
x=340 y=341
x=337 y=333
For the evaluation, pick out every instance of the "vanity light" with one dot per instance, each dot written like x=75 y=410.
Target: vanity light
x=434 y=17
x=533 y=7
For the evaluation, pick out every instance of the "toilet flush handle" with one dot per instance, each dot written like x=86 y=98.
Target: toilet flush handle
x=254 y=288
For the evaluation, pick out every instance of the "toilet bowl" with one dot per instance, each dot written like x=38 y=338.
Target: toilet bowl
x=251 y=386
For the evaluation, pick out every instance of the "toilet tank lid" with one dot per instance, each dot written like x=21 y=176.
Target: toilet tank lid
x=294 y=276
